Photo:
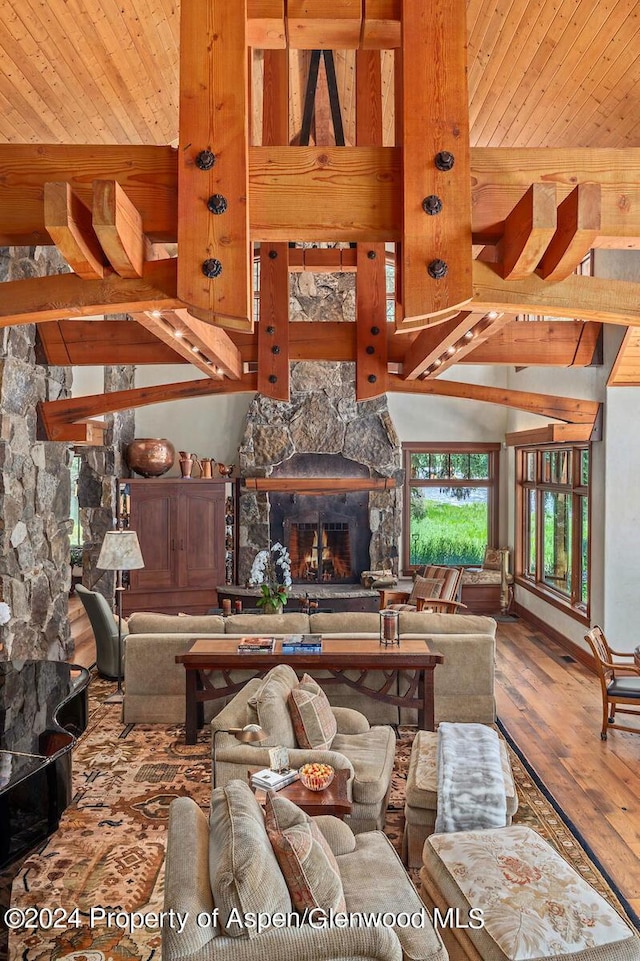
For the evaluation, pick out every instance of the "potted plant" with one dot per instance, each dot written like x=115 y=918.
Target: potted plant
x=271 y=571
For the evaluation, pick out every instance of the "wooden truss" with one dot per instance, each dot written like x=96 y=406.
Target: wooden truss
x=480 y=235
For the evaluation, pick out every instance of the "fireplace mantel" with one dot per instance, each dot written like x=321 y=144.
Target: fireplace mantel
x=318 y=485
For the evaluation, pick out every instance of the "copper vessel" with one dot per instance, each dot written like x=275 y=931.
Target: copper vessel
x=150 y=456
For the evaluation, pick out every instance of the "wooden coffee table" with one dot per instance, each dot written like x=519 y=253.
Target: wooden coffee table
x=376 y=667
x=333 y=800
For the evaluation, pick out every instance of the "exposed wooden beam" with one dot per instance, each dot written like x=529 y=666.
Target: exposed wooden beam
x=381 y=29
x=579 y=218
x=324 y=24
x=56 y=415
x=214 y=271
x=68 y=222
x=266 y=24
x=318 y=485
x=568 y=409
x=273 y=329
x=208 y=348
x=371 y=296
x=528 y=229
x=539 y=343
x=436 y=250
x=40 y=299
x=589 y=346
x=588 y=298
x=551 y=434
x=346 y=193
x=118 y=225
x=323 y=260
x=88 y=434
x=626 y=367
x=81 y=343
x=148 y=175
x=482 y=330
x=430 y=343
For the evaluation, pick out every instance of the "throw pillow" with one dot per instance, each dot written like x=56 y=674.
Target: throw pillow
x=268 y=707
x=314 y=722
x=307 y=862
x=492 y=559
x=245 y=875
x=426 y=587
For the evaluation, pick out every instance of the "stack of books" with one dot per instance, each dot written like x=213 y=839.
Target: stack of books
x=256 y=645
x=273 y=780
x=302 y=644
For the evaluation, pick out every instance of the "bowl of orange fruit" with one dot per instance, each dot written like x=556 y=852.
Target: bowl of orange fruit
x=316 y=776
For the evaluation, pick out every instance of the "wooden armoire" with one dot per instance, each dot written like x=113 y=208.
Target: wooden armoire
x=180 y=525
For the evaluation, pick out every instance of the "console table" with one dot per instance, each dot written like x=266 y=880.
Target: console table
x=43 y=709
x=413 y=657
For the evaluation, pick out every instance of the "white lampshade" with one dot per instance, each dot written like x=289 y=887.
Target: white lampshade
x=120 y=551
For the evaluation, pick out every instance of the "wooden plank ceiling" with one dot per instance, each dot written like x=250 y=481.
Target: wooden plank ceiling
x=562 y=75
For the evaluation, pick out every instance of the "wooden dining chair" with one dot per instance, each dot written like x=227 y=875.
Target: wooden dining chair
x=619 y=681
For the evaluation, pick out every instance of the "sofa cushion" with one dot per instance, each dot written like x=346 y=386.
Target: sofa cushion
x=371 y=755
x=425 y=588
x=244 y=872
x=308 y=863
x=142 y=622
x=314 y=722
x=426 y=622
x=268 y=707
x=267 y=624
x=343 y=623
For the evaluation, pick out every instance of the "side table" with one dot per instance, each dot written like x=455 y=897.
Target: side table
x=333 y=800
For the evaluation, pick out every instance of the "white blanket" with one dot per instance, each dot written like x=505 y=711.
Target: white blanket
x=471 y=790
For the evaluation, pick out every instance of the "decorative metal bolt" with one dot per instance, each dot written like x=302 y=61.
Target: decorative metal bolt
x=371 y=254
x=273 y=379
x=372 y=378
x=211 y=267
x=444 y=160
x=375 y=331
x=432 y=205
x=217 y=204
x=370 y=349
x=273 y=255
x=205 y=160
x=275 y=349
x=437 y=269
x=271 y=330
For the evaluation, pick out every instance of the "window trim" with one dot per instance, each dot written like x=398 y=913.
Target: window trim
x=492 y=483
x=572 y=604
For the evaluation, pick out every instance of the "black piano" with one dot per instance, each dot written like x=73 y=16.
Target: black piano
x=43 y=709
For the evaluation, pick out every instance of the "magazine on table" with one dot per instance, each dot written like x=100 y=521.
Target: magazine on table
x=273 y=780
x=302 y=644
x=256 y=645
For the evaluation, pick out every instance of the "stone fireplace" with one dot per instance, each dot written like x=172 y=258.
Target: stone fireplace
x=331 y=535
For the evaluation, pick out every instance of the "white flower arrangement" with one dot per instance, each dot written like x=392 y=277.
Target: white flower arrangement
x=274 y=583
x=5 y=613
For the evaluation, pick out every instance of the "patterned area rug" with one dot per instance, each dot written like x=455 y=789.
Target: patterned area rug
x=109 y=850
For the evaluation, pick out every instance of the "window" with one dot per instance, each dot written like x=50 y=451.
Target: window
x=75 y=536
x=450 y=503
x=554 y=522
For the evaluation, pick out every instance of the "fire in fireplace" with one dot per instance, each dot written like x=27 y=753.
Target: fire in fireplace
x=320 y=550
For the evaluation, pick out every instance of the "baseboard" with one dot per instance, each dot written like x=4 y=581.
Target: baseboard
x=569 y=646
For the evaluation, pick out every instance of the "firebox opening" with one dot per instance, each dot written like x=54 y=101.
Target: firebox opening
x=320 y=551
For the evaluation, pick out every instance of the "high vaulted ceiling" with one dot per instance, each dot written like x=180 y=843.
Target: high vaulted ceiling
x=542 y=73
x=485 y=224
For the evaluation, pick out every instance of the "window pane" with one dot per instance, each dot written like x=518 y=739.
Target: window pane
x=546 y=466
x=448 y=526
x=530 y=466
x=557 y=541
x=420 y=466
x=584 y=467
x=531 y=533
x=440 y=466
x=584 y=550
x=460 y=466
x=75 y=537
x=560 y=466
x=479 y=466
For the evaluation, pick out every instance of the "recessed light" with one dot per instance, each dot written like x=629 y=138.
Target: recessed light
x=178 y=334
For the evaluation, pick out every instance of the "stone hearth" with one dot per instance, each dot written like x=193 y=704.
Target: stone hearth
x=322 y=418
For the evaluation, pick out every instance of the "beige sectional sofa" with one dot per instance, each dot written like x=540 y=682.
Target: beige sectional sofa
x=464 y=683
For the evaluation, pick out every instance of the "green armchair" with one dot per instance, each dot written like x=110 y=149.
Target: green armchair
x=105 y=631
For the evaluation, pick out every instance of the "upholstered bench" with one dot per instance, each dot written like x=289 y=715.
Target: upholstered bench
x=528 y=902
x=422 y=794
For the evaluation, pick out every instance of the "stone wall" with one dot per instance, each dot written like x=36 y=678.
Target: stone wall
x=322 y=417
x=34 y=484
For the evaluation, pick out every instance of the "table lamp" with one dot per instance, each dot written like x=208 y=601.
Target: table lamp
x=249 y=734
x=120 y=552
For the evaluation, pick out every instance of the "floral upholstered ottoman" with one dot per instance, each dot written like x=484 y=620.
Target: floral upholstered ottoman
x=529 y=903
x=422 y=794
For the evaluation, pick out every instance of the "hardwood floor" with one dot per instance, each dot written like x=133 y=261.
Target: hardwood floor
x=552 y=709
